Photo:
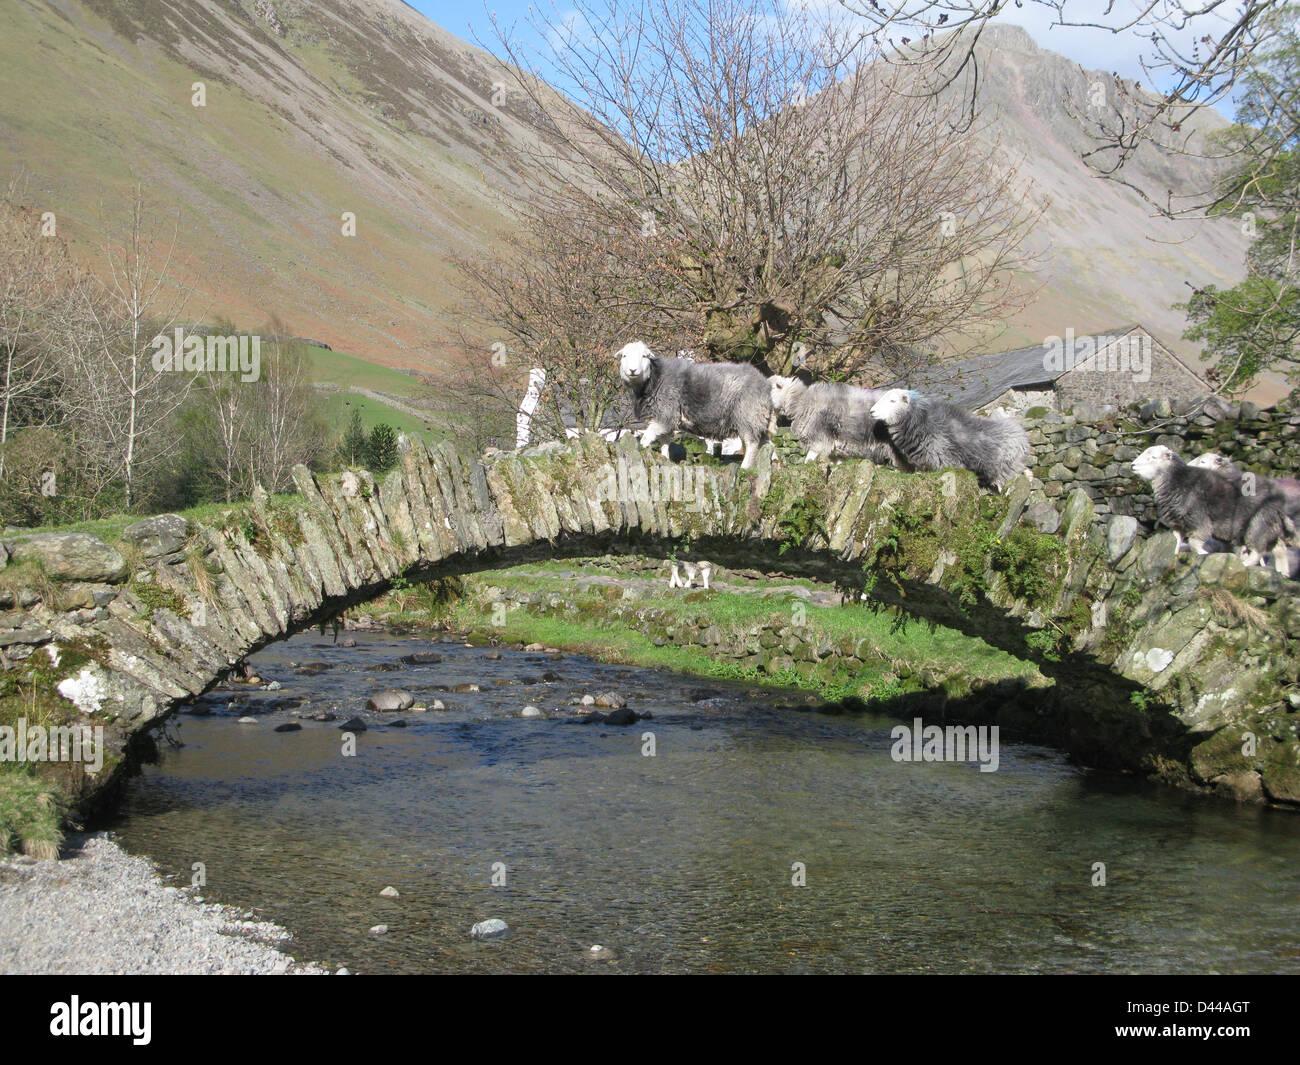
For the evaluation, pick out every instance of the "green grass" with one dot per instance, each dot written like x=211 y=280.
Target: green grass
x=349 y=371
x=31 y=815
x=110 y=528
x=339 y=407
x=916 y=642
x=897 y=652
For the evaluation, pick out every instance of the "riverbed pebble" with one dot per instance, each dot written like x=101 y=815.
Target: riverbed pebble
x=99 y=910
x=489 y=929
x=530 y=711
x=422 y=658
x=390 y=699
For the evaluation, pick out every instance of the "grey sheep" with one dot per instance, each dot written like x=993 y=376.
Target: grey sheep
x=1289 y=563
x=1212 y=460
x=1201 y=503
x=832 y=421
x=717 y=400
x=928 y=433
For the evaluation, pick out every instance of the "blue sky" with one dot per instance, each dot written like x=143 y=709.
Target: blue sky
x=1094 y=49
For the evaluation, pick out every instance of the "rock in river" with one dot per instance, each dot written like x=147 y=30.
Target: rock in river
x=489 y=929
x=422 y=658
x=391 y=699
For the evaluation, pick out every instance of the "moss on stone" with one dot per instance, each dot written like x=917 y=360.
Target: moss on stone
x=156 y=596
x=1033 y=564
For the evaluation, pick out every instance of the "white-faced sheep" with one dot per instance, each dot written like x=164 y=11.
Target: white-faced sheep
x=1288 y=563
x=928 y=433
x=1199 y=504
x=717 y=400
x=832 y=421
x=1212 y=460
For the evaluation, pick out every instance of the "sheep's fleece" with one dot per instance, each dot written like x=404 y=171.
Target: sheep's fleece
x=832 y=420
x=717 y=400
x=929 y=433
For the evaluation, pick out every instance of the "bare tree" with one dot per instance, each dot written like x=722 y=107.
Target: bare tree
x=791 y=205
x=1194 y=56
x=285 y=426
x=120 y=401
x=36 y=278
x=564 y=292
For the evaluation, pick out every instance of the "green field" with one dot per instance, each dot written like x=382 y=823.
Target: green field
x=350 y=371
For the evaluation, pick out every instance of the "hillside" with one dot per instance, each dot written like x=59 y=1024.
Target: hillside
x=317 y=108
x=313 y=109
x=1108 y=260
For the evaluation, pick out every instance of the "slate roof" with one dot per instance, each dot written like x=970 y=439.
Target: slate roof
x=975 y=382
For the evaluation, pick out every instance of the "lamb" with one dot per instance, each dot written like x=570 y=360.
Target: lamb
x=704 y=570
x=927 y=433
x=832 y=421
x=717 y=400
x=1201 y=503
x=1212 y=460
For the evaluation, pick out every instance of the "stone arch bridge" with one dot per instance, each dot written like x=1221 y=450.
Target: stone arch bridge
x=1180 y=667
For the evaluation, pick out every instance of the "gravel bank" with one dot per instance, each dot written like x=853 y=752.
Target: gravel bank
x=101 y=910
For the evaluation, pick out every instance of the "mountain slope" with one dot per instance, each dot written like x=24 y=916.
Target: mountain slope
x=364 y=106
x=1108 y=259
x=312 y=109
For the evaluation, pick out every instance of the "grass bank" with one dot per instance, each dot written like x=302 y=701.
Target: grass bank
x=767 y=633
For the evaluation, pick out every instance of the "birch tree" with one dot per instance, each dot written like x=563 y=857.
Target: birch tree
x=36 y=278
x=120 y=403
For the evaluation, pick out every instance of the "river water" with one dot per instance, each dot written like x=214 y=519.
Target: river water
x=684 y=860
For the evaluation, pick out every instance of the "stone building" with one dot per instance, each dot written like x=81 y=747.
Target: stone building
x=1105 y=370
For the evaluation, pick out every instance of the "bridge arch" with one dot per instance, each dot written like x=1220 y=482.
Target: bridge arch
x=1169 y=661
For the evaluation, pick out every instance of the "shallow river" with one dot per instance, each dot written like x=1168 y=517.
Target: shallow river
x=684 y=860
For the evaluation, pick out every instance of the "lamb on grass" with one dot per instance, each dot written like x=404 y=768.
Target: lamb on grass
x=717 y=400
x=702 y=570
x=1201 y=503
x=832 y=421
x=928 y=433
